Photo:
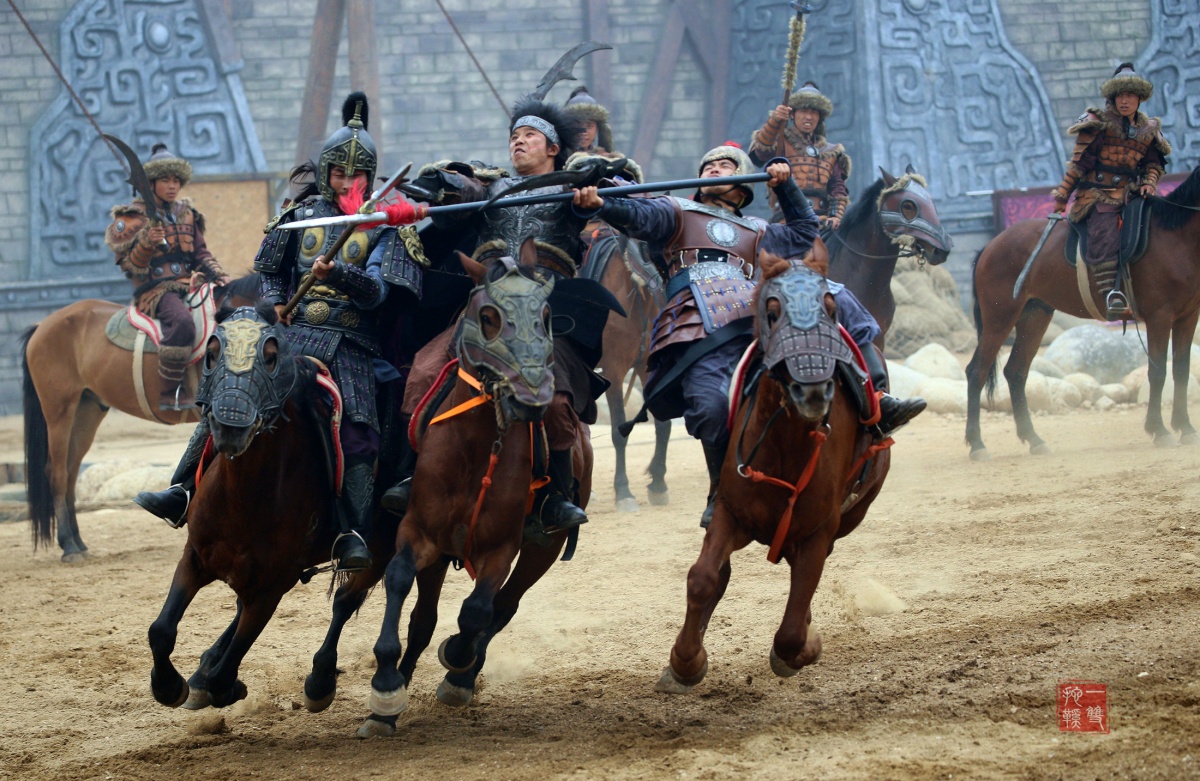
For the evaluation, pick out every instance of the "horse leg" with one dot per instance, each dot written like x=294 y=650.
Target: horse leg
x=460 y=652
x=458 y=689
x=626 y=503
x=320 y=685
x=59 y=424
x=706 y=583
x=224 y=687
x=389 y=689
x=198 y=696
x=1157 y=335
x=1031 y=325
x=980 y=373
x=797 y=644
x=1181 y=338
x=88 y=417
x=658 y=464
x=166 y=683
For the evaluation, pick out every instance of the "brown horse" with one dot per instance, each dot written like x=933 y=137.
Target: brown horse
x=894 y=218
x=472 y=491
x=263 y=513
x=1166 y=290
x=611 y=261
x=73 y=375
x=800 y=472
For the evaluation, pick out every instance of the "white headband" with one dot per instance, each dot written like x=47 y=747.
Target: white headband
x=540 y=125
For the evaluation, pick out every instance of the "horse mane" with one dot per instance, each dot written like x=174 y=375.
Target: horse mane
x=1177 y=209
x=243 y=287
x=265 y=310
x=304 y=178
x=864 y=208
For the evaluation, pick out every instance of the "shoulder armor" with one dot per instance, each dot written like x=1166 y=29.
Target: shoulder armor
x=1090 y=122
x=128 y=219
x=197 y=215
x=287 y=214
x=401 y=266
x=1159 y=141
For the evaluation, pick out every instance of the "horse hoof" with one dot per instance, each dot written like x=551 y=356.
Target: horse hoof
x=1165 y=441
x=235 y=693
x=780 y=667
x=660 y=498
x=198 y=699
x=627 y=504
x=446 y=662
x=388 y=703
x=373 y=728
x=1040 y=449
x=981 y=454
x=1190 y=438
x=669 y=684
x=454 y=696
x=76 y=557
x=318 y=705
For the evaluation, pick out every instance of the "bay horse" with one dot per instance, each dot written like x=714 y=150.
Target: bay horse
x=893 y=218
x=473 y=489
x=1166 y=291
x=620 y=265
x=264 y=512
x=72 y=375
x=800 y=472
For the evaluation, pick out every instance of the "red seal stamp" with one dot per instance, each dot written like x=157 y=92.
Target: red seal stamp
x=1082 y=706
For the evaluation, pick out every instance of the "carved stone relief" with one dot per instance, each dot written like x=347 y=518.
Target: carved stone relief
x=1171 y=64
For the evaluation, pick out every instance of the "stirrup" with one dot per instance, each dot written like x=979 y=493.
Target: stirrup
x=174 y=405
x=1116 y=305
x=176 y=523
x=352 y=565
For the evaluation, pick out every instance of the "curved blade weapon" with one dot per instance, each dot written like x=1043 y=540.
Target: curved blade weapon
x=562 y=70
x=140 y=182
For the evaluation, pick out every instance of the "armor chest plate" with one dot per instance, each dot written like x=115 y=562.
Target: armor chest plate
x=548 y=223
x=319 y=240
x=1120 y=151
x=810 y=168
x=181 y=234
x=701 y=227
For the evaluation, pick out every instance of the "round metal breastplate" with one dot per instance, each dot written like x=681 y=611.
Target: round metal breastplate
x=316 y=312
x=722 y=233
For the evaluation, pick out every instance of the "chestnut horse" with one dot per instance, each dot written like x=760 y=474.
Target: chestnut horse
x=73 y=375
x=472 y=490
x=893 y=218
x=611 y=260
x=1166 y=292
x=800 y=472
x=264 y=512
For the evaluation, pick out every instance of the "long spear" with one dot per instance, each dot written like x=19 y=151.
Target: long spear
x=795 y=38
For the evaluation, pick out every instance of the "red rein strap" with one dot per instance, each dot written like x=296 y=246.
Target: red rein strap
x=485 y=484
x=785 y=522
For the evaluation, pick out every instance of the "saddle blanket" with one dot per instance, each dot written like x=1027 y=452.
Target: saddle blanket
x=123 y=327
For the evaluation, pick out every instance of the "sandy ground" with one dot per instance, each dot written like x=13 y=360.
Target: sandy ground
x=948 y=618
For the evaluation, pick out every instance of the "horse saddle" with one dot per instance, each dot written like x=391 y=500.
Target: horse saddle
x=1135 y=234
x=124 y=326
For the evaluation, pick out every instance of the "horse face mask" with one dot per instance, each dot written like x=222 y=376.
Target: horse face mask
x=908 y=216
x=248 y=371
x=506 y=336
x=798 y=335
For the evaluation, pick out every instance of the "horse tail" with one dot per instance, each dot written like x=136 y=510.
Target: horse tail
x=38 y=492
x=990 y=379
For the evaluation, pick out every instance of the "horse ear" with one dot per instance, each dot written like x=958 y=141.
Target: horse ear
x=908 y=169
x=817 y=258
x=528 y=253
x=475 y=270
x=888 y=179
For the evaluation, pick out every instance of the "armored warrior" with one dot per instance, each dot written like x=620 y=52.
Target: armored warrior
x=1119 y=153
x=160 y=259
x=541 y=138
x=706 y=250
x=819 y=167
x=336 y=320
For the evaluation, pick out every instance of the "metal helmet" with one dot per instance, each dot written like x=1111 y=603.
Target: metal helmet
x=163 y=163
x=350 y=147
x=731 y=150
x=1125 y=79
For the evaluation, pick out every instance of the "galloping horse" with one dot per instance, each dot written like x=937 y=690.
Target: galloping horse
x=263 y=512
x=894 y=218
x=800 y=472
x=619 y=264
x=73 y=375
x=473 y=488
x=1166 y=292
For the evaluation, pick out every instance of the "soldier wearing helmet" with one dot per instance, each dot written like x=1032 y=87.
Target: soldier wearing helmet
x=1119 y=153
x=819 y=167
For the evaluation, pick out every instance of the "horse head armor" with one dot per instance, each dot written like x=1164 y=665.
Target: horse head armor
x=799 y=335
x=908 y=216
x=248 y=371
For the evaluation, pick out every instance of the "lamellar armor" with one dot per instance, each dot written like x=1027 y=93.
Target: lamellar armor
x=337 y=320
x=156 y=269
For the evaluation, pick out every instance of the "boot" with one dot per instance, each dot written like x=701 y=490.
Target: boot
x=714 y=457
x=395 y=499
x=350 y=551
x=172 y=504
x=557 y=512
x=894 y=413
x=172 y=366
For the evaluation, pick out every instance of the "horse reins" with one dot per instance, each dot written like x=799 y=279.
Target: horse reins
x=903 y=252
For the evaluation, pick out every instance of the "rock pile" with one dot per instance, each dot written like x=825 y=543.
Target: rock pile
x=927 y=311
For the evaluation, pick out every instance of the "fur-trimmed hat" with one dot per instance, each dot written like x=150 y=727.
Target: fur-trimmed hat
x=584 y=107
x=1125 y=79
x=731 y=150
x=162 y=163
x=809 y=96
x=564 y=128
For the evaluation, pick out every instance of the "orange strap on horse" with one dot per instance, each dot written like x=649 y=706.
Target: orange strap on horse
x=870 y=453
x=785 y=522
x=471 y=403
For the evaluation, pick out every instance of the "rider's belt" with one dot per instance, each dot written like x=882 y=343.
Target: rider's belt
x=690 y=257
x=1108 y=177
x=173 y=265
x=727 y=268
x=333 y=315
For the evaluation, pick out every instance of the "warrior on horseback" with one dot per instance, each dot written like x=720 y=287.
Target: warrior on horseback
x=336 y=320
x=541 y=138
x=706 y=249
x=160 y=256
x=819 y=168
x=1119 y=153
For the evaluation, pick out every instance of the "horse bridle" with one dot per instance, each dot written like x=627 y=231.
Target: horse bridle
x=914 y=249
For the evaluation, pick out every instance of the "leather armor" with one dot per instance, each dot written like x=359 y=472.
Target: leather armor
x=554 y=227
x=819 y=167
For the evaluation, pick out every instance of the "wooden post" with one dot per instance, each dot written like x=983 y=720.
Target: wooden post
x=364 y=63
x=658 y=90
x=601 y=62
x=318 y=87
